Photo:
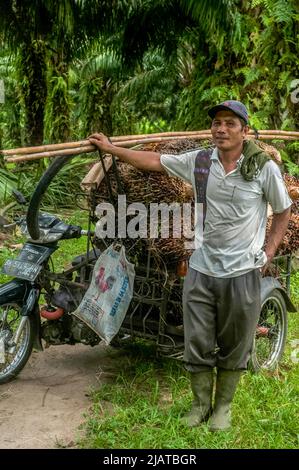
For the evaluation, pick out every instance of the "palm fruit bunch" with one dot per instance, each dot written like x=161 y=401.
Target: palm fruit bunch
x=292 y=184
x=290 y=242
x=270 y=150
x=143 y=186
x=149 y=186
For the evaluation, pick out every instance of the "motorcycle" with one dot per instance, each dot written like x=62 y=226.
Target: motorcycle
x=155 y=311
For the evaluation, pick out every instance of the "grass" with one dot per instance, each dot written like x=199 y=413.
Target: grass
x=141 y=409
x=141 y=406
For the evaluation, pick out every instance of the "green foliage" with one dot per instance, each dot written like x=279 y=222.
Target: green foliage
x=144 y=126
x=249 y=68
x=7 y=183
x=11 y=115
x=147 y=96
x=99 y=78
x=57 y=120
x=212 y=14
x=141 y=67
x=65 y=187
x=291 y=158
x=173 y=18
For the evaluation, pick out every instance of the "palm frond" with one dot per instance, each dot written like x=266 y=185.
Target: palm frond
x=7 y=183
x=144 y=83
x=282 y=11
x=101 y=65
x=212 y=15
x=153 y=24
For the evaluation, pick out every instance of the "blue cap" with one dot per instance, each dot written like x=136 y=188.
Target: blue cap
x=236 y=107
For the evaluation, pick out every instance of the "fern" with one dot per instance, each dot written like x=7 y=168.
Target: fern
x=282 y=11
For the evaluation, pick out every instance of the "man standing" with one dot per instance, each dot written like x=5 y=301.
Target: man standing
x=221 y=298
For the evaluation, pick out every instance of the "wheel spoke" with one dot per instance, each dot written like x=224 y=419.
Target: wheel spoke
x=269 y=333
x=15 y=355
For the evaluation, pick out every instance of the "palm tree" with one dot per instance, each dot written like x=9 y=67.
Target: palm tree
x=150 y=94
x=24 y=26
x=182 y=31
x=77 y=37
x=162 y=23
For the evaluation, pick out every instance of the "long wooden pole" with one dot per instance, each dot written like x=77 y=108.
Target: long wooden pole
x=188 y=134
x=129 y=143
x=84 y=143
x=90 y=148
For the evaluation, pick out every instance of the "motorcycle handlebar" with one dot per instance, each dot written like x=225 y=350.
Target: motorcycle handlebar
x=87 y=232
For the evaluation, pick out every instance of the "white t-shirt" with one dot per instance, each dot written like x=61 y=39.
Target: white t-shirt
x=231 y=242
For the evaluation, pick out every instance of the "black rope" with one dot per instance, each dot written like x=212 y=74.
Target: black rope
x=256 y=133
x=120 y=187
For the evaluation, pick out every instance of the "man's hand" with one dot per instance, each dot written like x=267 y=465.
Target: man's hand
x=101 y=141
x=267 y=264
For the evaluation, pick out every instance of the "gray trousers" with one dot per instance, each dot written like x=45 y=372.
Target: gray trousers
x=220 y=318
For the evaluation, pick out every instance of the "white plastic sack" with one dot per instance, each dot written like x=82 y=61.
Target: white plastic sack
x=104 y=305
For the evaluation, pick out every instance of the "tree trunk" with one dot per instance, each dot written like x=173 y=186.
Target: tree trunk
x=32 y=72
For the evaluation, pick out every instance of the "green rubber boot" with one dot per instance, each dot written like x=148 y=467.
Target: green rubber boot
x=202 y=388
x=226 y=385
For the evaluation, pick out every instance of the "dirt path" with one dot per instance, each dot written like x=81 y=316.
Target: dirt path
x=44 y=406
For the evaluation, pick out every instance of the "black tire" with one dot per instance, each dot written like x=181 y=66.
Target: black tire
x=271 y=333
x=42 y=186
x=15 y=361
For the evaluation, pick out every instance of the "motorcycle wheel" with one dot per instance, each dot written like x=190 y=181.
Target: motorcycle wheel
x=271 y=333
x=14 y=361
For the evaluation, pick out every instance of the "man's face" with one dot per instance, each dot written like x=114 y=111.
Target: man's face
x=227 y=131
